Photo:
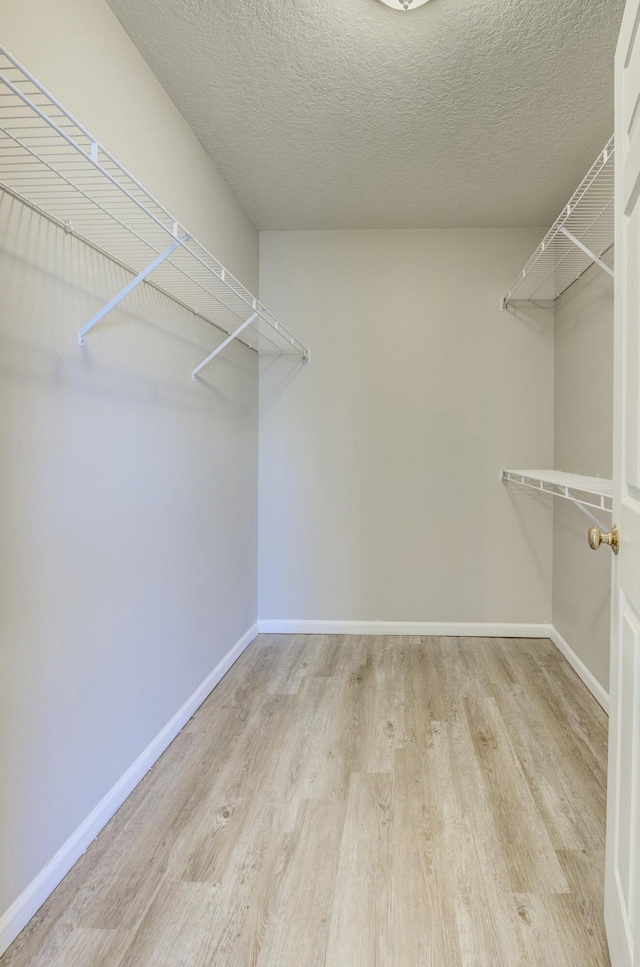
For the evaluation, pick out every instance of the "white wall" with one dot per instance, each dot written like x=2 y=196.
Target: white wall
x=129 y=494
x=379 y=462
x=583 y=444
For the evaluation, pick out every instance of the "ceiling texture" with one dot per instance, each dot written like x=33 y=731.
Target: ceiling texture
x=347 y=114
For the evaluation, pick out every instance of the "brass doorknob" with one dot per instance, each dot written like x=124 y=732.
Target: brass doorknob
x=596 y=538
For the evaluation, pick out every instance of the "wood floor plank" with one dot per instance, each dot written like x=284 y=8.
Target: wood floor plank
x=205 y=844
x=474 y=848
x=354 y=801
x=588 y=723
x=359 y=935
x=302 y=768
x=557 y=797
x=100 y=948
x=548 y=715
x=350 y=729
x=579 y=929
x=584 y=870
x=290 y=671
x=540 y=938
x=331 y=652
x=163 y=919
x=389 y=729
x=528 y=851
x=424 y=691
x=234 y=927
x=423 y=926
x=298 y=928
x=489 y=934
x=465 y=674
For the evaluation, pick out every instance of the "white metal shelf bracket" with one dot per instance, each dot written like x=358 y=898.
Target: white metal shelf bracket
x=587 y=513
x=587 y=251
x=129 y=288
x=222 y=345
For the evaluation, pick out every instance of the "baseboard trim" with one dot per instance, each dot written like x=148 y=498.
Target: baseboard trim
x=579 y=667
x=453 y=629
x=13 y=920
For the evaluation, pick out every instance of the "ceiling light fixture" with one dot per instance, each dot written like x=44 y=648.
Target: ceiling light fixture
x=404 y=4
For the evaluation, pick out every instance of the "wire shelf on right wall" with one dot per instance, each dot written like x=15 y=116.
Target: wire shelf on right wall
x=579 y=237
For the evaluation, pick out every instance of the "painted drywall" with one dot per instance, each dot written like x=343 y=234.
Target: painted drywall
x=583 y=444
x=380 y=496
x=129 y=494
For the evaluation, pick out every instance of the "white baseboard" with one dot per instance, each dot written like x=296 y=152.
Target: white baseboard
x=31 y=899
x=580 y=668
x=453 y=629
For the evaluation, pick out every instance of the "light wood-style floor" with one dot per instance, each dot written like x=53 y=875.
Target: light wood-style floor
x=356 y=802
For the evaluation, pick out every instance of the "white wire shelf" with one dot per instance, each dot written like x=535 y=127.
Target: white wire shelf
x=50 y=162
x=594 y=492
x=579 y=237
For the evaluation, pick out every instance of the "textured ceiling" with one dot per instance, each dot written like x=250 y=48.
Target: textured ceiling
x=346 y=114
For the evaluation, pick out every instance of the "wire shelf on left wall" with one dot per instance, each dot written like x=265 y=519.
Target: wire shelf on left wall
x=49 y=161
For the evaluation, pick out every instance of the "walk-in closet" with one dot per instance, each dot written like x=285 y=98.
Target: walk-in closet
x=320 y=483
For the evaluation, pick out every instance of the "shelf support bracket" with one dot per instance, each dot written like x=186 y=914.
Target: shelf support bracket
x=587 y=251
x=222 y=345
x=129 y=287
x=587 y=513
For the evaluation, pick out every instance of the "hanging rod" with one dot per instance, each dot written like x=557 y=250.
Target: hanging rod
x=578 y=238
x=49 y=161
x=585 y=492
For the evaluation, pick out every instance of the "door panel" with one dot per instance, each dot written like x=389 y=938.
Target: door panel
x=631 y=453
x=627 y=795
x=623 y=854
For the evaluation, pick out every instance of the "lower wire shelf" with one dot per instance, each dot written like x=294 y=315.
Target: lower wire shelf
x=583 y=491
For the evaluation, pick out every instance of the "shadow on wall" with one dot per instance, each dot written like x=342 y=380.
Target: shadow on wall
x=538 y=317
x=534 y=513
x=275 y=374
x=123 y=355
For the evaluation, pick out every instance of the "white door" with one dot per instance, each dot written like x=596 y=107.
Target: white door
x=622 y=889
